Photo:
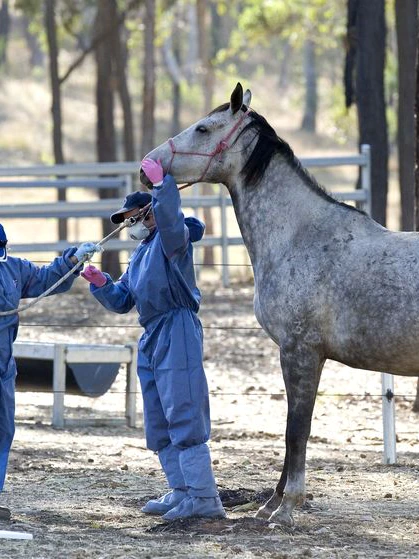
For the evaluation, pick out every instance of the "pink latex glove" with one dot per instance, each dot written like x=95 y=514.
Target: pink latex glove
x=153 y=170
x=95 y=276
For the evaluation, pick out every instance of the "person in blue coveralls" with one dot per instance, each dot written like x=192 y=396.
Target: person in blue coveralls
x=19 y=278
x=160 y=283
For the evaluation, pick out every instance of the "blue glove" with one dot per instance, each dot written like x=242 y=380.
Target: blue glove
x=86 y=249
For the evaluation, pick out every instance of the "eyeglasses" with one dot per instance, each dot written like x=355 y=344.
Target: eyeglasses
x=143 y=215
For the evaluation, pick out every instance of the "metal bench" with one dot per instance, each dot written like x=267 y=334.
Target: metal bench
x=61 y=358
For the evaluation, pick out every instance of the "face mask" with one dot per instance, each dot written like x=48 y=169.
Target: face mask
x=138 y=232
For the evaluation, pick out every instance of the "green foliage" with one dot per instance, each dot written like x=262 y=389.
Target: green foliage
x=343 y=122
x=294 y=20
x=71 y=17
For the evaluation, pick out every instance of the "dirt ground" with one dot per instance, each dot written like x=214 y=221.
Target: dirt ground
x=79 y=490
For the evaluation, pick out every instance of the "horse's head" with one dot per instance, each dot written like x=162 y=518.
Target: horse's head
x=203 y=151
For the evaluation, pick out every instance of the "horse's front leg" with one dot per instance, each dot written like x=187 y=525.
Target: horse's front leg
x=275 y=500
x=301 y=369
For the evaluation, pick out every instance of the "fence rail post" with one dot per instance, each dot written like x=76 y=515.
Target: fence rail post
x=389 y=419
x=387 y=380
x=58 y=386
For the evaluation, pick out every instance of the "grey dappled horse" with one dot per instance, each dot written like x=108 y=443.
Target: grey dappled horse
x=330 y=283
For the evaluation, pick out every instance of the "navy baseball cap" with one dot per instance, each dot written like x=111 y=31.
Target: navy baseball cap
x=132 y=201
x=3 y=243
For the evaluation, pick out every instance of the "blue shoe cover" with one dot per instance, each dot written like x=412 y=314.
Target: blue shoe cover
x=206 y=507
x=165 y=503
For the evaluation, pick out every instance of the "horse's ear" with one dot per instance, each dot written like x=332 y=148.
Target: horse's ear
x=236 y=99
x=247 y=97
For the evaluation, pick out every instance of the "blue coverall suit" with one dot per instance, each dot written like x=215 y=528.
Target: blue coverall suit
x=20 y=278
x=160 y=282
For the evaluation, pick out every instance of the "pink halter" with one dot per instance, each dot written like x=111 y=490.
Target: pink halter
x=222 y=145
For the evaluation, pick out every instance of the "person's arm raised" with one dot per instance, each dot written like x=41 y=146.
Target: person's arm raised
x=167 y=209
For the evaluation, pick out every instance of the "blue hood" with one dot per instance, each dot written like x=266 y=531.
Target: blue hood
x=196 y=228
x=3 y=243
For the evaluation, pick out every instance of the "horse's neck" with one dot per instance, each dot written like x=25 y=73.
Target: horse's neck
x=273 y=212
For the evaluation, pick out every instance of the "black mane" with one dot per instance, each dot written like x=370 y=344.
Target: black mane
x=268 y=144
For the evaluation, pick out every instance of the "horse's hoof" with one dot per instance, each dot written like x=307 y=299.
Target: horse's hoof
x=283 y=518
x=263 y=512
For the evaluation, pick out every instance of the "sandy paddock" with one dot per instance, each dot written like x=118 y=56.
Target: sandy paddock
x=79 y=490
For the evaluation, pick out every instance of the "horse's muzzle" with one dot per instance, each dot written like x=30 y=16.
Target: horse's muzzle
x=145 y=180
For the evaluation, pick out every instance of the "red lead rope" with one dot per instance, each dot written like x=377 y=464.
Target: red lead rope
x=222 y=145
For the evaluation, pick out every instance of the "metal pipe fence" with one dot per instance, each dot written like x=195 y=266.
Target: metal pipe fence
x=124 y=177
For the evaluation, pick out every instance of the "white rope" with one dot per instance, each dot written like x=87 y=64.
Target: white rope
x=126 y=223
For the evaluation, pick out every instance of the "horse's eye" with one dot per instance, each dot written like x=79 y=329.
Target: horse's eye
x=201 y=128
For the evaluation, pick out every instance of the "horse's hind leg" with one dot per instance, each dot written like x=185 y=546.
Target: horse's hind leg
x=301 y=369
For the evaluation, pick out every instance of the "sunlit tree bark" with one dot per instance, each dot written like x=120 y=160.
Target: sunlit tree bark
x=57 y=135
x=105 y=132
x=207 y=81
x=149 y=87
x=310 y=73
x=365 y=61
x=416 y=403
x=4 y=31
x=406 y=24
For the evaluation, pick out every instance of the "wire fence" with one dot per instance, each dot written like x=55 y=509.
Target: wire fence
x=273 y=395
x=254 y=329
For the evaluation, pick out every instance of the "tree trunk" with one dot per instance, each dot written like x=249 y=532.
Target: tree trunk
x=57 y=135
x=36 y=58
x=119 y=58
x=406 y=24
x=370 y=38
x=207 y=73
x=206 y=69
x=149 y=89
x=416 y=403
x=4 y=31
x=171 y=57
x=176 y=94
x=415 y=406
x=193 y=40
x=216 y=42
x=106 y=137
x=309 y=118
x=284 y=66
x=350 y=58
x=417 y=131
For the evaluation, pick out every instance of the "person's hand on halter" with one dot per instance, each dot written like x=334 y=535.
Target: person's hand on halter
x=94 y=276
x=153 y=170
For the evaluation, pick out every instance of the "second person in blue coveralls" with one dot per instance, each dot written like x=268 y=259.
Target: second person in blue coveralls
x=20 y=278
x=160 y=282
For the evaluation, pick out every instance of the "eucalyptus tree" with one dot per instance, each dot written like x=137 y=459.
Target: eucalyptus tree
x=190 y=36
x=44 y=15
x=4 y=31
x=313 y=29
x=149 y=79
x=406 y=26
x=71 y=20
x=365 y=85
x=416 y=172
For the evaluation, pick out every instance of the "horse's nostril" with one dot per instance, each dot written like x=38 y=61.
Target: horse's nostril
x=144 y=179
